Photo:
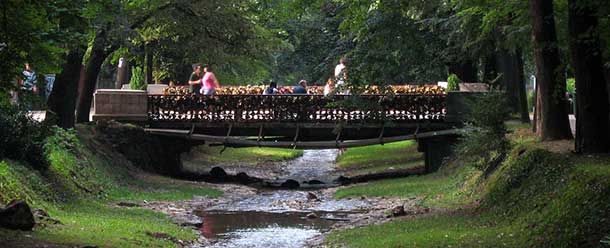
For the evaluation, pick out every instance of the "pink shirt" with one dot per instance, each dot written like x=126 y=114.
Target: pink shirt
x=208 y=81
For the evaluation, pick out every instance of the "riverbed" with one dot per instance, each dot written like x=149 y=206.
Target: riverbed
x=256 y=217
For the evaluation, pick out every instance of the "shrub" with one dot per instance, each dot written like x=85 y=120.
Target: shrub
x=453 y=83
x=21 y=136
x=483 y=143
x=137 y=79
x=571 y=85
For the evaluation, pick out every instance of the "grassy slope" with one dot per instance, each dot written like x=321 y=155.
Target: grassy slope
x=536 y=198
x=398 y=155
x=78 y=189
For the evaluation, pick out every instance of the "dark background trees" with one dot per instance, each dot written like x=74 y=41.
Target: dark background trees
x=385 y=42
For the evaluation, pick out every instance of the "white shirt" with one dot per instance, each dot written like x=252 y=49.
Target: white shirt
x=338 y=69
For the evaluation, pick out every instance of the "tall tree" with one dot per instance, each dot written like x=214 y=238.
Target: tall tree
x=551 y=105
x=62 y=101
x=592 y=113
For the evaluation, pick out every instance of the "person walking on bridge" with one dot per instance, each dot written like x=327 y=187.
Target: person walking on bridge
x=341 y=77
x=301 y=88
x=209 y=81
x=195 y=79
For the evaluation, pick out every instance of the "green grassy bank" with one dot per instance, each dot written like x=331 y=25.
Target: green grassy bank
x=202 y=158
x=252 y=155
x=377 y=158
x=79 y=185
x=540 y=196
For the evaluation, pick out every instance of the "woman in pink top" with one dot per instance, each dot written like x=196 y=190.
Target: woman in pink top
x=209 y=82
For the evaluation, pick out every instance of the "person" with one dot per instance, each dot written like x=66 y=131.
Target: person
x=30 y=79
x=28 y=87
x=195 y=79
x=329 y=88
x=341 y=73
x=301 y=88
x=209 y=82
x=272 y=89
x=50 y=79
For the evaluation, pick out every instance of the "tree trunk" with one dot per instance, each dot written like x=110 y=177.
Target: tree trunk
x=490 y=68
x=523 y=108
x=92 y=69
x=552 y=116
x=510 y=66
x=465 y=70
x=592 y=133
x=148 y=75
x=62 y=101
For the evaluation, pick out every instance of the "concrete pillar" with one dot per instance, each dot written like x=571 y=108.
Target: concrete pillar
x=436 y=150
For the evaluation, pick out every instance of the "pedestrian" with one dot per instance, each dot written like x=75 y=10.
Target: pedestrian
x=195 y=79
x=28 y=87
x=301 y=88
x=209 y=81
x=341 y=74
x=272 y=89
x=329 y=88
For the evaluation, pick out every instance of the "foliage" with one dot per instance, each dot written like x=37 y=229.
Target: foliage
x=571 y=85
x=453 y=83
x=21 y=136
x=137 y=79
x=483 y=142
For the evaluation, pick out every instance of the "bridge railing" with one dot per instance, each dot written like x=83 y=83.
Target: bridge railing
x=296 y=108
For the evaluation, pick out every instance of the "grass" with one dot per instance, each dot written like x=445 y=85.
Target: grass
x=436 y=190
x=100 y=225
x=250 y=155
x=79 y=188
x=157 y=188
x=393 y=154
x=464 y=229
x=538 y=197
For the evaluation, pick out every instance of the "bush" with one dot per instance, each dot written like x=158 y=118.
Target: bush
x=137 y=79
x=21 y=136
x=453 y=83
x=571 y=85
x=484 y=143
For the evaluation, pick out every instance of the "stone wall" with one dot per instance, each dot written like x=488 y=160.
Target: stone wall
x=129 y=105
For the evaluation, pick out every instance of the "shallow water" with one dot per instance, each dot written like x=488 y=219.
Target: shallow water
x=261 y=229
x=313 y=165
x=277 y=218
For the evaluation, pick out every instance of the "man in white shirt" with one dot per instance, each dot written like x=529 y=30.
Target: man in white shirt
x=340 y=74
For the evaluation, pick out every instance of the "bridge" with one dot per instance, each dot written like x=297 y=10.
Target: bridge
x=293 y=121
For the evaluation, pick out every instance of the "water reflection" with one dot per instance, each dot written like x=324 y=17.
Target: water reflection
x=261 y=229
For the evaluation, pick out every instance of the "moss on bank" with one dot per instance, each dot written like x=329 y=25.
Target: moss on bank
x=82 y=179
x=538 y=197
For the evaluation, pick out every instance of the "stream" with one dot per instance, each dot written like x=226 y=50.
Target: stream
x=280 y=218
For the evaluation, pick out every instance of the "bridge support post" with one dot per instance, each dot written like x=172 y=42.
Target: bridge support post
x=436 y=150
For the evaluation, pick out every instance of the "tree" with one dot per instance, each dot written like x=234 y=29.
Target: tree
x=551 y=106
x=592 y=114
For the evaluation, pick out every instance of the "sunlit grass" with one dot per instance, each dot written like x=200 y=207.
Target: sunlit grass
x=251 y=155
x=391 y=154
